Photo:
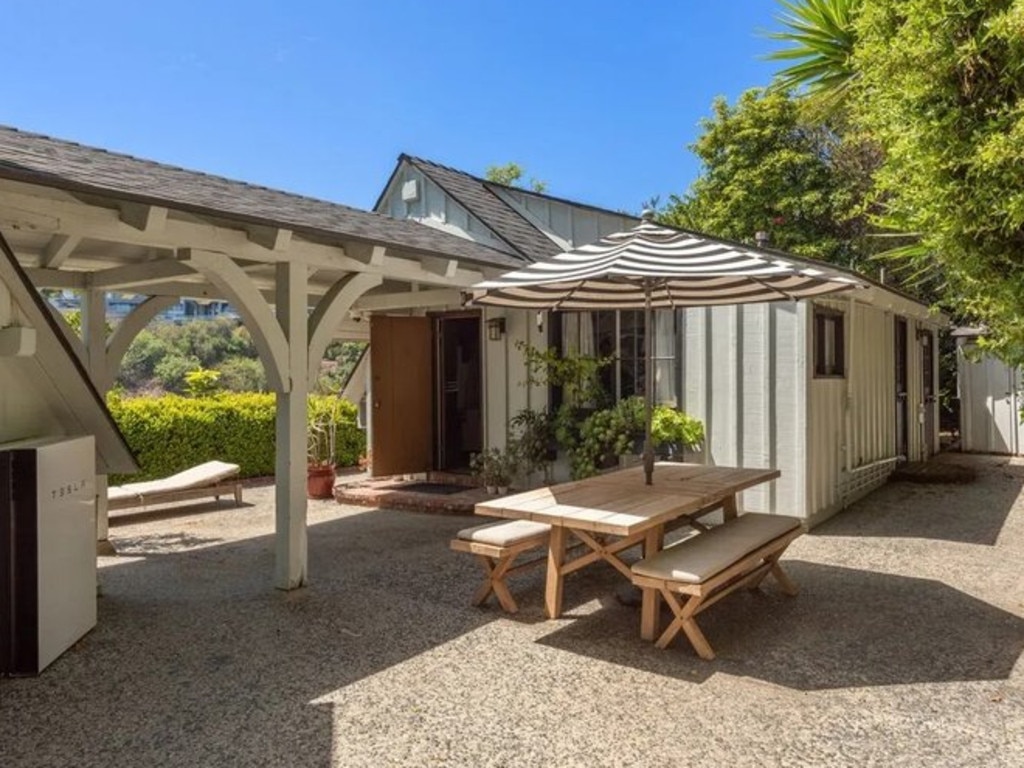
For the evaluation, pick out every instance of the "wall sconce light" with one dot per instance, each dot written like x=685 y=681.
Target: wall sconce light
x=496 y=328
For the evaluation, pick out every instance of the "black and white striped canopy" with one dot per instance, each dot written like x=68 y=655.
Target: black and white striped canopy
x=678 y=268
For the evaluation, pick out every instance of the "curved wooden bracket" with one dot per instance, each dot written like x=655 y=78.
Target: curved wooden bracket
x=240 y=290
x=130 y=327
x=331 y=310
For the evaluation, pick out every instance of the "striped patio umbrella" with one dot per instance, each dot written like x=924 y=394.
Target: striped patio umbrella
x=656 y=267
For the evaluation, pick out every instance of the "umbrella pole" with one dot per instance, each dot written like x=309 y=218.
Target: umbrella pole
x=648 y=384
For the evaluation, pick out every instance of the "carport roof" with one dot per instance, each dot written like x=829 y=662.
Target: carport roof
x=38 y=159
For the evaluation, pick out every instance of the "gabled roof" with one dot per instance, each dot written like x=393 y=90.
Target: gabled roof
x=38 y=159
x=56 y=373
x=480 y=198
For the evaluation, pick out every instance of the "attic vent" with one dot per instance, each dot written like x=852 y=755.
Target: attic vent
x=411 y=191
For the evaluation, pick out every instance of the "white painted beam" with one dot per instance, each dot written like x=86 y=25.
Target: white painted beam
x=138 y=275
x=58 y=250
x=331 y=310
x=145 y=218
x=239 y=289
x=94 y=337
x=446 y=268
x=409 y=300
x=271 y=238
x=56 y=278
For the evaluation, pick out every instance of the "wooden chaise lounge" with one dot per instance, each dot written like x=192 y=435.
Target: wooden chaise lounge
x=214 y=478
x=707 y=567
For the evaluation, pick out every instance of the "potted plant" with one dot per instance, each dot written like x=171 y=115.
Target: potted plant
x=321 y=447
x=494 y=469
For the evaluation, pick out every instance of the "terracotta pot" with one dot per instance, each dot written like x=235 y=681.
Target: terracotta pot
x=320 y=481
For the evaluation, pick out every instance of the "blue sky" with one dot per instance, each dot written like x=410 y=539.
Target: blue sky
x=597 y=98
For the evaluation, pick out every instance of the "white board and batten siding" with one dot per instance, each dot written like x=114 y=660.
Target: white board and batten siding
x=743 y=376
x=748 y=374
x=991 y=399
x=428 y=204
x=569 y=226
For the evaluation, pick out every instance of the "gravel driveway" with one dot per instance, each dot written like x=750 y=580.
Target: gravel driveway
x=903 y=646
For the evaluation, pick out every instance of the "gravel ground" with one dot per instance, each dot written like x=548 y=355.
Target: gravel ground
x=903 y=646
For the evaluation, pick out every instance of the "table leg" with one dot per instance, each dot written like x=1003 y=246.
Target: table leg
x=556 y=557
x=730 y=508
x=650 y=604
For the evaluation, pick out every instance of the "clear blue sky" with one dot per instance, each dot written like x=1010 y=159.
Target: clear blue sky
x=597 y=98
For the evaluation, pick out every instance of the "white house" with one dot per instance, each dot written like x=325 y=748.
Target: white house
x=833 y=392
x=991 y=395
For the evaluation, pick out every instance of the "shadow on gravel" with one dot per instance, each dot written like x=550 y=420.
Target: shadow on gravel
x=974 y=513
x=848 y=628
x=197 y=660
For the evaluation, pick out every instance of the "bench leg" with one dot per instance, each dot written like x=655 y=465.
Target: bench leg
x=684 y=621
x=494 y=581
x=238 y=494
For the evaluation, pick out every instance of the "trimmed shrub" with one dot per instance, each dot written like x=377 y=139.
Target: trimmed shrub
x=171 y=433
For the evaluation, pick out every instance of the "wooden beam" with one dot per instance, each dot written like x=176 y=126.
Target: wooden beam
x=239 y=289
x=58 y=250
x=447 y=268
x=137 y=275
x=145 y=218
x=72 y=338
x=331 y=310
x=271 y=238
x=383 y=302
x=56 y=278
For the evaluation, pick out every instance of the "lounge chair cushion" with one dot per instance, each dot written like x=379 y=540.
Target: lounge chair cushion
x=697 y=559
x=504 y=534
x=210 y=473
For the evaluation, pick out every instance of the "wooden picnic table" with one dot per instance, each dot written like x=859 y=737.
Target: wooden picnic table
x=612 y=512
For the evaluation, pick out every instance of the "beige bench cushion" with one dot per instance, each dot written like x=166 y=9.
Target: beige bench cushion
x=504 y=534
x=209 y=473
x=697 y=559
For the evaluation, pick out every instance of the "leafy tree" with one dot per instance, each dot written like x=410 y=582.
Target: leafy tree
x=510 y=175
x=768 y=169
x=202 y=382
x=140 y=360
x=172 y=370
x=242 y=374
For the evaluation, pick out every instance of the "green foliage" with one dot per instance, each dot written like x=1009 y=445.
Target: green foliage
x=141 y=359
x=766 y=168
x=821 y=36
x=242 y=374
x=171 y=433
x=172 y=370
x=349 y=439
x=202 y=382
x=510 y=175
x=495 y=467
x=533 y=439
x=941 y=87
x=607 y=434
x=344 y=356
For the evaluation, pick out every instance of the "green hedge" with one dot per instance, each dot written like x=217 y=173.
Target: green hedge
x=171 y=433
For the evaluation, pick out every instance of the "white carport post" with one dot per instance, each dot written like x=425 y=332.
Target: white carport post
x=282 y=344
x=290 y=469
x=94 y=345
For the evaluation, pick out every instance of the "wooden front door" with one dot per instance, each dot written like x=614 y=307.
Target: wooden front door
x=402 y=395
x=902 y=378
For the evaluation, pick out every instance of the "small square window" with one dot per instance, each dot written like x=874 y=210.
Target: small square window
x=829 y=344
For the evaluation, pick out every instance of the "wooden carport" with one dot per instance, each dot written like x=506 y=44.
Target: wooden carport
x=299 y=271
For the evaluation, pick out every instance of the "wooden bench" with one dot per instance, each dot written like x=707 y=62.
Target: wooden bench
x=496 y=546
x=710 y=565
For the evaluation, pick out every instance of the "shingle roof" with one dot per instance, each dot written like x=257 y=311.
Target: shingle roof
x=477 y=196
x=35 y=158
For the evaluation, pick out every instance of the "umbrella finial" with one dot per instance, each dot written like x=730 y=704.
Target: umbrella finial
x=647 y=214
